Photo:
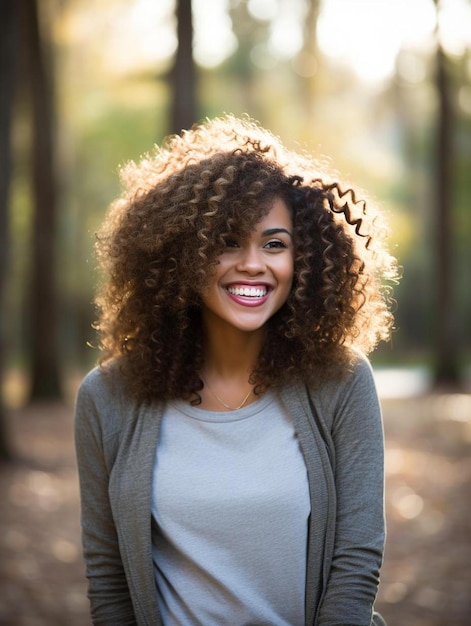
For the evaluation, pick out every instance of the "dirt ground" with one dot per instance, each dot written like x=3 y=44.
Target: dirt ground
x=426 y=577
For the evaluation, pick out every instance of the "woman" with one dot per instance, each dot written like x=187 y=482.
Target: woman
x=229 y=444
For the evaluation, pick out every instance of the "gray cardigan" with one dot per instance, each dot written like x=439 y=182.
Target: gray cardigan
x=116 y=440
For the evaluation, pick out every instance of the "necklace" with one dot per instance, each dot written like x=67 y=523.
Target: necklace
x=231 y=408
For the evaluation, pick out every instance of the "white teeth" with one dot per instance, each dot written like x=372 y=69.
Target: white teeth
x=250 y=292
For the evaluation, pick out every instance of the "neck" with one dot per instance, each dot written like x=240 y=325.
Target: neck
x=232 y=354
x=229 y=359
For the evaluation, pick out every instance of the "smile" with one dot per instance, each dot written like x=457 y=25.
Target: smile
x=248 y=292
x=248 y=295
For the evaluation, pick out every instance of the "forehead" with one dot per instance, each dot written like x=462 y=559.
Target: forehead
x=278 y=215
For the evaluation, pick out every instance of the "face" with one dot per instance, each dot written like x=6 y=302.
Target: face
x=253 y=276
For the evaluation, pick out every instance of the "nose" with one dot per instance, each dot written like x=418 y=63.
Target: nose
x=251 y=260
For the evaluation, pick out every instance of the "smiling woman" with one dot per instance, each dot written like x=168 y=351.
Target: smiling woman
x=255 y=275
x=232 y=406
x=197 y=202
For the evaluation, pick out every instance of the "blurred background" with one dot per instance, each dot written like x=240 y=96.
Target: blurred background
x=381 y=90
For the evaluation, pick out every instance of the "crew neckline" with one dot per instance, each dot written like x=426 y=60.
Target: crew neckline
x=204 y=415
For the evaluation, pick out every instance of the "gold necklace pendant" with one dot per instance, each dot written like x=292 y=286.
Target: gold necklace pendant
x=231 y=408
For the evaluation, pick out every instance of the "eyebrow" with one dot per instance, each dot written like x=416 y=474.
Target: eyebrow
x=275 y=231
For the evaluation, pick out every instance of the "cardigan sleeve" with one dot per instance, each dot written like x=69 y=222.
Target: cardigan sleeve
x=357 y=435
x=107 y=587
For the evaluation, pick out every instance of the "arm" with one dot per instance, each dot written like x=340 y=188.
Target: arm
x=357 y=435
x=108 y=590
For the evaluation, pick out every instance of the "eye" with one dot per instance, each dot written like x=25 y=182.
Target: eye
x=230 y=243
x=275 y=244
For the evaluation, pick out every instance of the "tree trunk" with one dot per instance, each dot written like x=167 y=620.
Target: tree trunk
x=45 y=380
x=308 y=60
x=446 y=374
x=8 y=47
x=184 y=111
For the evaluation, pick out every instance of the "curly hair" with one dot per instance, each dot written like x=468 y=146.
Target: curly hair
x=161 y=238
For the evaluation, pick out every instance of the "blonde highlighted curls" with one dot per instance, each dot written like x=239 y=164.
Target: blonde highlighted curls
x=162 y=237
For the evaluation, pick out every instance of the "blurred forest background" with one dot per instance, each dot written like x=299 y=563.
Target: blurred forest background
x=381 y=89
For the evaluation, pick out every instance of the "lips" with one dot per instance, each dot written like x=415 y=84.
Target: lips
x=248 y=295
x=249 y=292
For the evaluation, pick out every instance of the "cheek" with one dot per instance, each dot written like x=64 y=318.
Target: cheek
x=286 y=272
x=206 y=291
x=215 y=271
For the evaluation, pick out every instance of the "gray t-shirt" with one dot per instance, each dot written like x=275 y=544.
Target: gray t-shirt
x=230 y=509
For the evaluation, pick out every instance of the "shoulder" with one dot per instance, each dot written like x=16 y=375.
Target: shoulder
x=360 y=370
x=353 y=401
x=353 y=374
x=102 y=399
x=103 y=381
x=105 y=384
x=108 y=419
x=350 y=388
